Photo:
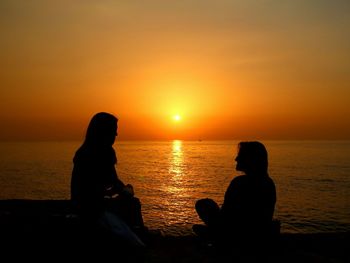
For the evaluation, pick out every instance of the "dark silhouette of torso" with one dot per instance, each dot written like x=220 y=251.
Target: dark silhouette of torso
x=93 y=173
x=248 y=205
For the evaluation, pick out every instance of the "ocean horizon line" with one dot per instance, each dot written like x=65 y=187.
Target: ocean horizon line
x=184 y=140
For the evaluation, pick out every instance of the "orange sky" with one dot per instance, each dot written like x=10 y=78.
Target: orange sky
x=231 y=69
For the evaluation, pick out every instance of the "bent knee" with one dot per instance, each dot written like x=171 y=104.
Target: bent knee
x=206 y=204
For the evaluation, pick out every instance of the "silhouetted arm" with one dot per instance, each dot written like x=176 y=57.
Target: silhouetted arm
x=116 y=186
x=232 y=200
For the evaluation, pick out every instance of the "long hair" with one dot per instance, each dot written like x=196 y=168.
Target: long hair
x=101 y=130
x=256 y=153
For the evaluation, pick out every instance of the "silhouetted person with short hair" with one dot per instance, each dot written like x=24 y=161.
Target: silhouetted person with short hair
x=95 y=186
x=246 y=215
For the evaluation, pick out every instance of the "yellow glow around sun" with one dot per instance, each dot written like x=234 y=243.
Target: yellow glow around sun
x=177 y=117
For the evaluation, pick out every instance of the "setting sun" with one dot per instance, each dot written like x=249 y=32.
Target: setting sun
x=168 y=68
x=176 y=117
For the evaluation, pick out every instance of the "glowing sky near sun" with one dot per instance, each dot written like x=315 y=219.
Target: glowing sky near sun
x=235 y=69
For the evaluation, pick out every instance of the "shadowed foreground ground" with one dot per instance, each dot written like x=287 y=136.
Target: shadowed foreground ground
x=41 y=230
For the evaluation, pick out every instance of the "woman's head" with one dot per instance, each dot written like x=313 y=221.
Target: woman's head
x=252 y=158
x=102 y=129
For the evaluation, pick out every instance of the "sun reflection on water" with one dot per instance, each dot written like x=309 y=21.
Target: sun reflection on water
x=178 y=202
x=176 y=160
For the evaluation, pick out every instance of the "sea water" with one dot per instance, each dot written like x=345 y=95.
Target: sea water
x=312 y=178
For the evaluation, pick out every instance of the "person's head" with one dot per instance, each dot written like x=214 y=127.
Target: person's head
x=102 y=129
x=252 y=158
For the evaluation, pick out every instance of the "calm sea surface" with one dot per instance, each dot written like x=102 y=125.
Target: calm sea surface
x=312 y=178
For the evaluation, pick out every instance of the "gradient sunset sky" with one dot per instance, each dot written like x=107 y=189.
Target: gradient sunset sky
x=231 y=69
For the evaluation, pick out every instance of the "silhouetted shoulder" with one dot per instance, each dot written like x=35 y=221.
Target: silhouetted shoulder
x=245 y=179
x=98 y=154
x=246 y=189
x=240 y=179
x=238 y=182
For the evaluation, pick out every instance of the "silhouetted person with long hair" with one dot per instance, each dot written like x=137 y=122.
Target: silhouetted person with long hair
x=246 y=215
x=95 y=185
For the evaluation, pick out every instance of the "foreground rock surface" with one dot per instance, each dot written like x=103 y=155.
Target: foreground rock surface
x=47 y=230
